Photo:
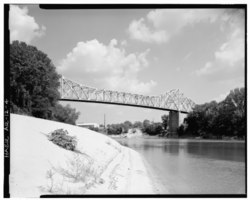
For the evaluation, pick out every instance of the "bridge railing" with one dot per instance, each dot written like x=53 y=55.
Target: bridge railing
x=172 y=100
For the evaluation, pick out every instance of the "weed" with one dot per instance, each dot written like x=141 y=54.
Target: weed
x=49 y=175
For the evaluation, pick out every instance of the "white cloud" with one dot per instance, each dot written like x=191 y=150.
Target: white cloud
x=124 y=43
x=111 y=66
x=207 y=69
x=139 y=31
x=160 y=25
x=229 y=58
x=22 y=26
x=233 y=50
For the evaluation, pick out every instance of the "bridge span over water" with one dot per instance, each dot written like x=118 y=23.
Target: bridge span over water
x=173 y=100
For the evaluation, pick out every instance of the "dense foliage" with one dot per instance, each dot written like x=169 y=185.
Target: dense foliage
x=146 y=126
x=224 y=119
x=115 y=129
x=153 y=128
x=165 y=119
x=34 y=85
x=61 y=138
x=65 y=114
x=33 y=81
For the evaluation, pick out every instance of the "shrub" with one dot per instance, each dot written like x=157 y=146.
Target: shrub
x=78 y=169
x=61 y=138
x=94 y=129
x=153 y=129
x=65 y=114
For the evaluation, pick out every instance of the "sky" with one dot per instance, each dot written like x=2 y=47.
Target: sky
x=142 y=51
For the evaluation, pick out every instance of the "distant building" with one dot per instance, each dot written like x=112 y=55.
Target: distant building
x=88 y=125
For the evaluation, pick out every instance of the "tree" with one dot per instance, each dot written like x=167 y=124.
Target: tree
x=153 y=129
x=165 y=120
x=126 y=126
x=33 y=81
x=65 y=114
x=114 y=129
x=138 y=124
x=234 y=107
x=226 y=118
x=145 y=123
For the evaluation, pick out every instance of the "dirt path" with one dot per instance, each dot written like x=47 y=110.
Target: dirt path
x=126 y=174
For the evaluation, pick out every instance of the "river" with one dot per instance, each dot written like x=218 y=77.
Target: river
x=187 y=166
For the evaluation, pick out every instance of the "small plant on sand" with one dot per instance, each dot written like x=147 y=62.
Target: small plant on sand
x=62 y=139
x=78 y=169
x=49 y=175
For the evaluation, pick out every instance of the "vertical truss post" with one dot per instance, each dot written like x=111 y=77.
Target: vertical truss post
x=172 y=100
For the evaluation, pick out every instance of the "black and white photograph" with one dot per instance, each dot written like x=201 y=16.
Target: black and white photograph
x=143 y=100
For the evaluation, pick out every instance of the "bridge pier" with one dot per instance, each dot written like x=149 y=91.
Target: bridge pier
x=174 y=122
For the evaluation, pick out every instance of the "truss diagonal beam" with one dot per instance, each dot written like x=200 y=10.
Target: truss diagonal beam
x=172 y=100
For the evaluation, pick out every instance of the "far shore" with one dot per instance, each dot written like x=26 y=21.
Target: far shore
x=191 y=139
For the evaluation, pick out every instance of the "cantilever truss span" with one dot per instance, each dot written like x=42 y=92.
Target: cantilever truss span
x=171 y=101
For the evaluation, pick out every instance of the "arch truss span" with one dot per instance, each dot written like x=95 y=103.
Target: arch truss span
x=171 y=100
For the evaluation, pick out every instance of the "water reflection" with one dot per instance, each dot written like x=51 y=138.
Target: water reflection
x=194 y=167
x=218 y=150
x=234 y=151
x=173 y=149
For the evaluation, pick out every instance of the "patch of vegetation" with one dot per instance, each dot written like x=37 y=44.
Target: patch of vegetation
x=61 y=138
x=34 y=85
x=224 y=119
x=79 y=169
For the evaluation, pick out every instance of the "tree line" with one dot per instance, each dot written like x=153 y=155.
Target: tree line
x=34 y=85
x=147 y=127
x=217 y=120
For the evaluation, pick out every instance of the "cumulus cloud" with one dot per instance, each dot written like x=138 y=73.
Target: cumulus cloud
x=139 y=31
x=229 y=58
x=110 y=65
x=162 y=24
x=233 y=50
x=22 y=26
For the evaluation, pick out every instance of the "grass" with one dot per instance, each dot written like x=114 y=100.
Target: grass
x=78 y=169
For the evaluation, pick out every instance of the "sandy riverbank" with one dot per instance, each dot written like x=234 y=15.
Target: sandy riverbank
x=99 y=166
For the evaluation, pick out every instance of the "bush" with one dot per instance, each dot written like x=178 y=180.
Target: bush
x=114 y=129
x=153 y=129
x=61 y=138
x=65 y=114
x=96 y=129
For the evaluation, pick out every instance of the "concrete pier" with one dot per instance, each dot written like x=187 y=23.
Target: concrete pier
x=174 y=122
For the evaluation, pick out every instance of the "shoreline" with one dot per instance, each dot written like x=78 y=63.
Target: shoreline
x=158 y=186
x=110 y=168
x=177 y=139
x=128 y=173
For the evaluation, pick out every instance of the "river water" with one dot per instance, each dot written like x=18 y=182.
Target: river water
x=194 y=166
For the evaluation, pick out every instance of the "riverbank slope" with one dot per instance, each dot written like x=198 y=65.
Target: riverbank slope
x=100 y=165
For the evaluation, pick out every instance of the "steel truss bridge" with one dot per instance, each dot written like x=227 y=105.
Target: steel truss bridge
x=170 y=101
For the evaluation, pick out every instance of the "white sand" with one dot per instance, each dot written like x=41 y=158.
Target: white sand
x=102 y=165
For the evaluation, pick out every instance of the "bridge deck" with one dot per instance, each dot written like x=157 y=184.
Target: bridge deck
x=170 y=101
x=121 y=104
